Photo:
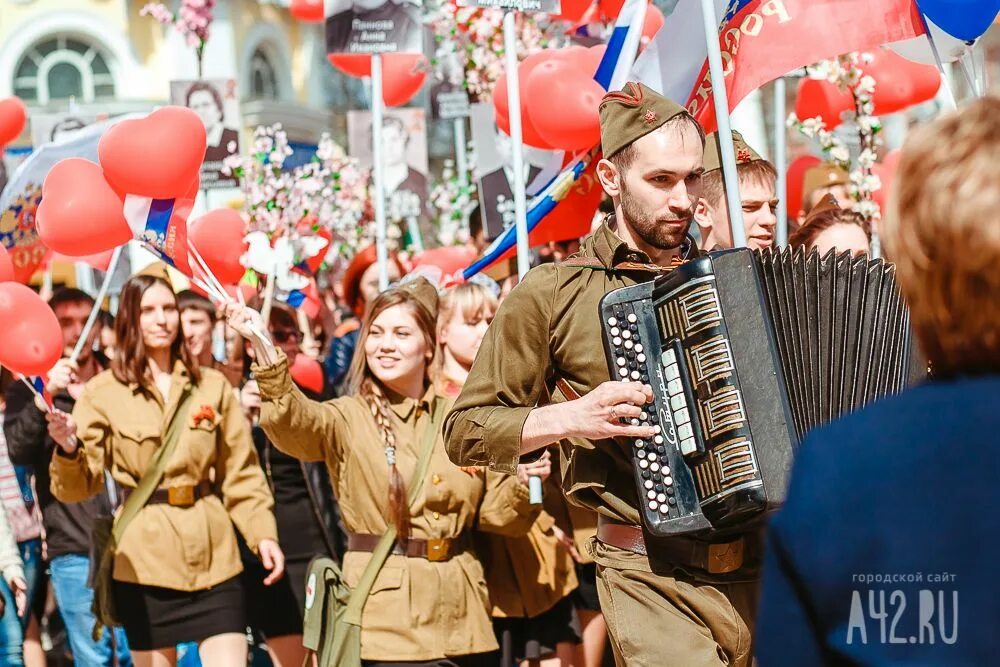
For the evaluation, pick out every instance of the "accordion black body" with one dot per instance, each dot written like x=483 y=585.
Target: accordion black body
x=747 y=351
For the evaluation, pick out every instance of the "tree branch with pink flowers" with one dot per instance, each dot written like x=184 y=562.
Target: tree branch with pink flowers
x=193 y=20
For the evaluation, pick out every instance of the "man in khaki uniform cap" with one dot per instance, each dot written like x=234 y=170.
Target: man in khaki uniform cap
x=756 y=178
x=823 y=179
x=667 y=601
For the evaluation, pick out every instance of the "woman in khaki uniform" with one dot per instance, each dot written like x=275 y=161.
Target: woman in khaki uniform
x=530 y=578
x=429 y=604
x=176 y=570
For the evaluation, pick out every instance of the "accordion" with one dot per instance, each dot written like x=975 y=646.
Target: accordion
x=746 y=351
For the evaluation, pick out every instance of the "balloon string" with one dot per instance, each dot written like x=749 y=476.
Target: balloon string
x=203 y=265
x=37 y=393
x=218 y=290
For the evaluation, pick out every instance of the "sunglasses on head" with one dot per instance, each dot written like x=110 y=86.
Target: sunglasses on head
x=285 y=335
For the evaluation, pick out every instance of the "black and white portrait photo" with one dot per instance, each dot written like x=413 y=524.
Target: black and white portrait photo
x=54 y=127
x=404 y=149
x=217 y=104
x=374 y=26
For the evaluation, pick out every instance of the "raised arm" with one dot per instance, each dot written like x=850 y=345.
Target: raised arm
x=79 y=461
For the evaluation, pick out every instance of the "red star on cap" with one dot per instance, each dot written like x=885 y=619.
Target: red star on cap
x=650 y=116
x=743 y=155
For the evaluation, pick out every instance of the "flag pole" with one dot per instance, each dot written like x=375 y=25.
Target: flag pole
x=950 y=104
x=378 y=174
x=96 y=309
x=781 y=159
x=517 y=141
x=721 y=100
x=461 y=155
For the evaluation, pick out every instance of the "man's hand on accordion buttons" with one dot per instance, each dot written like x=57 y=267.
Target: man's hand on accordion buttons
x=606 y=411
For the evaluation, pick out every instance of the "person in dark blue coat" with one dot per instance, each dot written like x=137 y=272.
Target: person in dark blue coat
x=886 y=548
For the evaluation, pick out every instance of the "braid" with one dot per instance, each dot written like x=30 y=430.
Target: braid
x=399 y=512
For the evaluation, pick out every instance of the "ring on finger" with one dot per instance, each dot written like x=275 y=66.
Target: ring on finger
x=614 y=413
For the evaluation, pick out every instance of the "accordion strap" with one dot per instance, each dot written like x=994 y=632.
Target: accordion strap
x=567 y=391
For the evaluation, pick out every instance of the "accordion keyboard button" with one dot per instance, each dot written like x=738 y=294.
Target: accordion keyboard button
x=645 y=378
x=669 y=481
x=677 y=402
x=653 y=505
x=649 y=484
x=644 y=416
x=646 y=475
x=615 y=331
x=640 y=444
x=628 y=345
x=623 y=372
x=665 y=508
x=658 y=439
x=643 y=463
x=626 y=334
x=651 y=495
x=632 y=318
x=672 y=501
x=666 y=469
x=635 y=375
x=672 y=372
x=674 y=387
x=682 y=417
x=621 y=361
x=612 y=322
x=661 y=497
x=657 y=430
x=638 y=347
x=688 y=446
x=684 y=432
x=654 y=466
x=668 y=358
x=617 y=340
x=641 y=358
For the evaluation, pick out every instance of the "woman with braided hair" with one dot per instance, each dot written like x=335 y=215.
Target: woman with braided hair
x=429 y=604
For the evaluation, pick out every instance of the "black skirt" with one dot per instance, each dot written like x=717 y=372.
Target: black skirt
x=276 y=610
x=159 y=618
x=536 y=638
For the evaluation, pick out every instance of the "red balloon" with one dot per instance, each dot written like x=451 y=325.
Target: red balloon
x=307 y=11
x=572 y=10
x=6 y=265
x=307 y=373
x=450 y=259
x=13 y=116
x=100 y=261
x=500 y=104
x=817 y=97
x=795 y=180
x=352 y=64
x=403 y=75
x=218 y=236
x=566 y=101
x=651 y=24
x=609 y=9
x=900 y=83
x=80 y=213
x=32 y=342
x=157 y=156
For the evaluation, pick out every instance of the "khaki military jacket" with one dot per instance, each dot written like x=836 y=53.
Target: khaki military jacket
x=528 y=575
x=418 y=609
x=547 y=329
x=183 y=548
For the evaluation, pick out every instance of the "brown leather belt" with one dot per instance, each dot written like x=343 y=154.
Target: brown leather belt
x=434 y=550
x=714 y=558
x=177 y=496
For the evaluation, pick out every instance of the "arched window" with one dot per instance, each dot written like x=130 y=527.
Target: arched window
x=62 y=67
x=263 y=77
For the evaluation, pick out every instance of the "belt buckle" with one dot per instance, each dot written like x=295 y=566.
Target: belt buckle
x=725 y=557
x=180 y=496
x=438 y=549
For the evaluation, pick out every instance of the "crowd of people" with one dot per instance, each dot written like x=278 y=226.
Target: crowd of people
x=438 y=406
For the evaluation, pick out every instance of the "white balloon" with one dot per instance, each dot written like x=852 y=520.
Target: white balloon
x=918 y=49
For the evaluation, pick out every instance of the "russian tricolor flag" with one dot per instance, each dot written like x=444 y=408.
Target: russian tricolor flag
x=161 y=226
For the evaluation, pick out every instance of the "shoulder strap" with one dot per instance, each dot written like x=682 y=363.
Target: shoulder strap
x=154 y=474
x=359 y=595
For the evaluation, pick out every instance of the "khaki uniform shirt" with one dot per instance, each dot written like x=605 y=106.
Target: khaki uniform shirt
x=183 y=548
x=549 y=328
x=417 y=609
x=528 y=575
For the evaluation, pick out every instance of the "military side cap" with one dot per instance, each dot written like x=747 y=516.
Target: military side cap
x=423 y=292
x=823 y=175
x=713 y=156
x=633 y=113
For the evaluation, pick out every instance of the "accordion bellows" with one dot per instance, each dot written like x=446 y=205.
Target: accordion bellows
x=747 y=351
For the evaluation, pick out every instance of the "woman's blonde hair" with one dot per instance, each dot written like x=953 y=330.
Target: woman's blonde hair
x=473 y=300
x=943 y=233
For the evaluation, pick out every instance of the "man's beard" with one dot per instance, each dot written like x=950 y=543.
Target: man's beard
x=658 y=233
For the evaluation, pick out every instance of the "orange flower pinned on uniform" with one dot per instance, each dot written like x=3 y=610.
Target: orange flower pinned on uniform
x=204 y=413
x=472 y=471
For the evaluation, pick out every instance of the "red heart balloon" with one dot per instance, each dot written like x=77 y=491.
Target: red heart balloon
x=816 y=97
x=6 y=265
x=157 y=156
x=80 y=214
x=352 y=64
x=218 y=236
x=307 y=11
x=500 y=103
x=900 y=83
x=566 y=101
x=795 y=178
x=403 y=75
x=307 y=373
x=13 y=116
x=32 y=342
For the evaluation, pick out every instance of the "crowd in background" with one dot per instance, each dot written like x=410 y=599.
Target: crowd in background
x=229 y=589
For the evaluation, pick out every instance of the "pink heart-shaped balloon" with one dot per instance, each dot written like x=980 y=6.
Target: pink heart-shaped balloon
x=80 y=213
x=32 y=342
x=157 y=156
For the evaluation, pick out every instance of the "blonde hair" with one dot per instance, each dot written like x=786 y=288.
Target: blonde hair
x=943 y=235
x=473 y=300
